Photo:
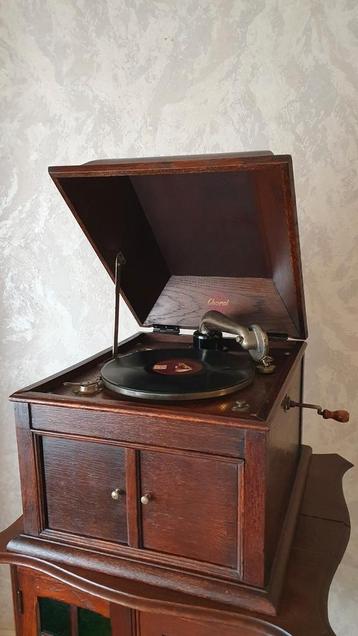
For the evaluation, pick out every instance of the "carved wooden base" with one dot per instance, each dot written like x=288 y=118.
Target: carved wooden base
x=141 y=609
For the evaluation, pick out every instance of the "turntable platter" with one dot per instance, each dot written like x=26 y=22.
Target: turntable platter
x=177 y=374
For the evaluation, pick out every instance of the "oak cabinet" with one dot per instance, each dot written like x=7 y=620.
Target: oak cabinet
x=185 y=504
x=188 y=504
x=188 y=500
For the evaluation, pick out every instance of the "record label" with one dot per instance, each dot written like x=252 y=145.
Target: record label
x=177 y=366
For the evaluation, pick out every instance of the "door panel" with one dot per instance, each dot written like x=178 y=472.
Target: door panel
x=193 y=507
x=79 y=478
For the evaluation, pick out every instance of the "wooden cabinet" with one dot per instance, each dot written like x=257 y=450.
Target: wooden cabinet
x=190 y=500
x=194 y=506
x=320 y=540
x=48 y=607
x=186 y=504
x=67 y=600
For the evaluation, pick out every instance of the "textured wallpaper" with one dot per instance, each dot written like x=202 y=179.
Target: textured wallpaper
x=87 y=79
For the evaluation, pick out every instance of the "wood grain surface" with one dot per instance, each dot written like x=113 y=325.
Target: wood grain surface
x=195 y=508
x=79 y=478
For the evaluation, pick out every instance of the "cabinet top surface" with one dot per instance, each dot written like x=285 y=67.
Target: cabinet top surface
x=261 y=396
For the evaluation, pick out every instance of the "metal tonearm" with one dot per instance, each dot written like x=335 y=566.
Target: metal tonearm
x=252 y=338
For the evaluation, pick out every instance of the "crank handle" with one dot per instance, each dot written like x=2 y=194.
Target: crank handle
x=338 y=416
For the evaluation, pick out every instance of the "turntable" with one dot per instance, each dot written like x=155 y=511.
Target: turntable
x=206 y=370
x=179 y=449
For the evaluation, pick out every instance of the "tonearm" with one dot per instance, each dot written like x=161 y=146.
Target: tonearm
x=253 y=339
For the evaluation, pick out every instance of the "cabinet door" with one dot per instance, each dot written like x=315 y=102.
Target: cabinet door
x=79 y=479
x=49 y=607
x=191 y=506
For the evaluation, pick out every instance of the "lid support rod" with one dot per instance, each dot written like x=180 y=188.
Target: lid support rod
x=120 y=260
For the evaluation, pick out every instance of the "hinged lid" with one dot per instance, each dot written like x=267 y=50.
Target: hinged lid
x=198 y=233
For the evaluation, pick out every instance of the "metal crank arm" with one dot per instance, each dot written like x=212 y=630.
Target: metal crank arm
x=338 y=416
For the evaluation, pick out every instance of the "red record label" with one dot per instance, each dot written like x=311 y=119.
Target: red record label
x=177 y=366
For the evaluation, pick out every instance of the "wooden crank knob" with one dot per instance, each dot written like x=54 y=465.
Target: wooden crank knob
x=339 y=416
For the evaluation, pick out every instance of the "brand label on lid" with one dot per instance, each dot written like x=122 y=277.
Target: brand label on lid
x=216 y=301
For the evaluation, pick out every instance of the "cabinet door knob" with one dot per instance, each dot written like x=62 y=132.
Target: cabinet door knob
x=145 y=499
x=115 y=494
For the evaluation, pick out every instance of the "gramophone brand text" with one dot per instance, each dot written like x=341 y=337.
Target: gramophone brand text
x=218 y=302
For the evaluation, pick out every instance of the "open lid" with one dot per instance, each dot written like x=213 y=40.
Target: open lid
x=198 y=233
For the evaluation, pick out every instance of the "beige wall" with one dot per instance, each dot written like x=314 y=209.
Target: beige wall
x=83 y=79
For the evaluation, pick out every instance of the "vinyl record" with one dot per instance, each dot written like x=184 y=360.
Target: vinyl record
x=177 y=374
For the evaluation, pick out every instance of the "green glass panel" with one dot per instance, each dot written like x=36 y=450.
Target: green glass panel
x=54 y=618
x=91 y=624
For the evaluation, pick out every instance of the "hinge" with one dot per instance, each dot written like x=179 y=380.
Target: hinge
x=19 y=600
x=172 y=329
x=277 y=335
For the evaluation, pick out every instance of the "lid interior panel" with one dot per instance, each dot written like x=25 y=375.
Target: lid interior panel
x=195 y=240
x=248 y=300
x=205 y=224
x=111 y=216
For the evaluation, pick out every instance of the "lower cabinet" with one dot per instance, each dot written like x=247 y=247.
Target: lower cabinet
x=45 y=606
x=167 y=503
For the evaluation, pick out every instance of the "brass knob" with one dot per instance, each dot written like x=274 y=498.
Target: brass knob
x=115 y=494
x=145 y=499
